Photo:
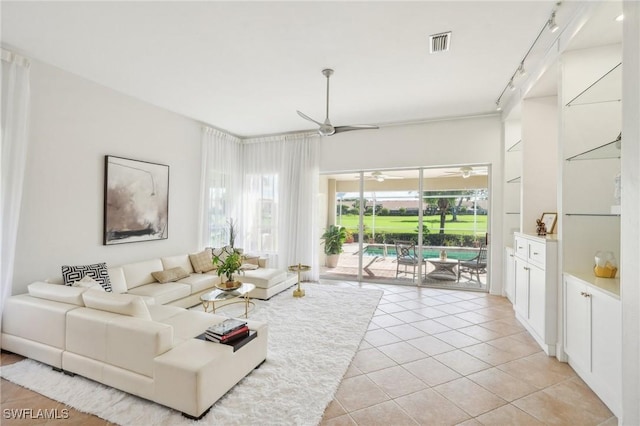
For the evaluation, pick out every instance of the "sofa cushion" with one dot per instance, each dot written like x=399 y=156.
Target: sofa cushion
x=263 y=277
x=137 y=274
x=163 y=293
x=200 y=282
x=170 y=275
x=162 y=312
x=57 y=292
x=173 y=261
x=202 y=262
x=118 y=282
x=249 y=266
x=97 y=271
x=40 y=320
x=190 y=323
x=123 y=304
x=120 y=340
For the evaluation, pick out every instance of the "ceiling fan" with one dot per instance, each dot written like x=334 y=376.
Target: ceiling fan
x=467 y=171
x=326 y=128
x=380 y=177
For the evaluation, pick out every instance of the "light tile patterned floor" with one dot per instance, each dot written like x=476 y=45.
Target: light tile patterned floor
x=447 y=357
x=430 y=357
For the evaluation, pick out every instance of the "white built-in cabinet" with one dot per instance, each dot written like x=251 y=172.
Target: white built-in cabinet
x=591 y=150
x=510 y=274
x=593 y=335
x=535 y=287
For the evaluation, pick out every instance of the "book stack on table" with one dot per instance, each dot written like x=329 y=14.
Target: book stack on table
x=227 y=331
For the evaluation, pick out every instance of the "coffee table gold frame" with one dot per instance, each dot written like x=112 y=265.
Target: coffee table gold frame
x=298 y=292
x=227 y=297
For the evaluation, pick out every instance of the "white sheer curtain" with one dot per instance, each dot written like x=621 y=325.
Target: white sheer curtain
x=15 y=111
x=221 y=181
x=280 y=188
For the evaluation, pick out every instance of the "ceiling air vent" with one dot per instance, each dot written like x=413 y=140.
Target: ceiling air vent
x=439 y=42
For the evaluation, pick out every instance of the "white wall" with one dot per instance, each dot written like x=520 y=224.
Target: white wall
x=539 y=160
x=630 y=220
x=74 y=123
x=438 y=143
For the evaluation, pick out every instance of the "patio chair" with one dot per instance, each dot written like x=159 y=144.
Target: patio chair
x=477 y=265
x=406 y=256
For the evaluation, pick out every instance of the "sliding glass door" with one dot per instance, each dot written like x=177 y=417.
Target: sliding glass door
x=418 y=226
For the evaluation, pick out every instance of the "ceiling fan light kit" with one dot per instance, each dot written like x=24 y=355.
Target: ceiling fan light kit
x=326 y=128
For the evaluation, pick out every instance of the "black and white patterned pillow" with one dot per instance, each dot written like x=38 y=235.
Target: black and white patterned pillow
x=97 y=271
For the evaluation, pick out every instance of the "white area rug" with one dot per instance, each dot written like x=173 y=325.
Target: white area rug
x=312 y=341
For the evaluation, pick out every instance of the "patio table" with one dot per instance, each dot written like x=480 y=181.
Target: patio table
x=445 y=269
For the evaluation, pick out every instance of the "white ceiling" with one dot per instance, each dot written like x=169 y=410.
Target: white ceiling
x=246 y=67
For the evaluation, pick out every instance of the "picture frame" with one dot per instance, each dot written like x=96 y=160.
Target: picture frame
x=549 y=220
x=136 y=201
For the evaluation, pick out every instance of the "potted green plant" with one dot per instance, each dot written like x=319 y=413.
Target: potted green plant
x=228 y=267
x=333 y=239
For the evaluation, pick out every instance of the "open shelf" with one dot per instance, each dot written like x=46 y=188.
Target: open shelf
x=515 y=180
x=515 y=147
x=608 y=150
x=593 y=214
x=607 y=88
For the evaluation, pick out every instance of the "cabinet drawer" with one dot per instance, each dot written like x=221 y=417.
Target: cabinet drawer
x=521 y=246
x=536 y=252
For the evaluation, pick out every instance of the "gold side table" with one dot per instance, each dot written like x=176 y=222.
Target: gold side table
x=298 y=292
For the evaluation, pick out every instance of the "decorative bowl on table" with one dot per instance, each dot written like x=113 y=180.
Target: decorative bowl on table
x=229 y=285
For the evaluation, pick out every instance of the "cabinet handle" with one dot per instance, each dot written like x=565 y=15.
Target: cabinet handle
x=535 y=253
x=510 y=255
x=582 y=293
x=520 y=247
x=525 y=268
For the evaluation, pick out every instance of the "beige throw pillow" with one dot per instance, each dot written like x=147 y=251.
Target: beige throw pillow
x=202 y=262
x=170 y=275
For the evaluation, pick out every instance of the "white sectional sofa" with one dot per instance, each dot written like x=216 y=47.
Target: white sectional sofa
x=136 y=278
x=149 y=350
x=139 y=337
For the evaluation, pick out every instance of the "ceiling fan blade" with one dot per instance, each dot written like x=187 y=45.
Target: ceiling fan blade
x=355 y=127
x=306 y=117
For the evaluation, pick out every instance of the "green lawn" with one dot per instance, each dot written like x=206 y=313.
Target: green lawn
x=399 y=224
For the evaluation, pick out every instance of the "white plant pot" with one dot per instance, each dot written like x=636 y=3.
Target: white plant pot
x=332 y=260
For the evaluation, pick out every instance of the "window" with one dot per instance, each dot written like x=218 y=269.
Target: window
x=262 y=214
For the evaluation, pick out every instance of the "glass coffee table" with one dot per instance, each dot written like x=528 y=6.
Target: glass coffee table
x=219 y=298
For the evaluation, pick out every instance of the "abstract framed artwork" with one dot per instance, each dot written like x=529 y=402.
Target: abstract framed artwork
x=136 y=201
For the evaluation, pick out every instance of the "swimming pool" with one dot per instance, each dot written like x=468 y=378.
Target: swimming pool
x=458 y=254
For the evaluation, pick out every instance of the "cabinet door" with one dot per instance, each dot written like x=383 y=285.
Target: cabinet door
x=606 y=341
x=522 y=287
x=537 y=300
x=577 y=333
x=510 y=275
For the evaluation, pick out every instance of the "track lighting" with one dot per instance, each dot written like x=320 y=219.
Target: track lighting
x=521 y=71
x=553 y=27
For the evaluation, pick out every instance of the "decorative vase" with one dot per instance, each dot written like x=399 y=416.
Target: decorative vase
x=443 y=255
x=606 y=265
